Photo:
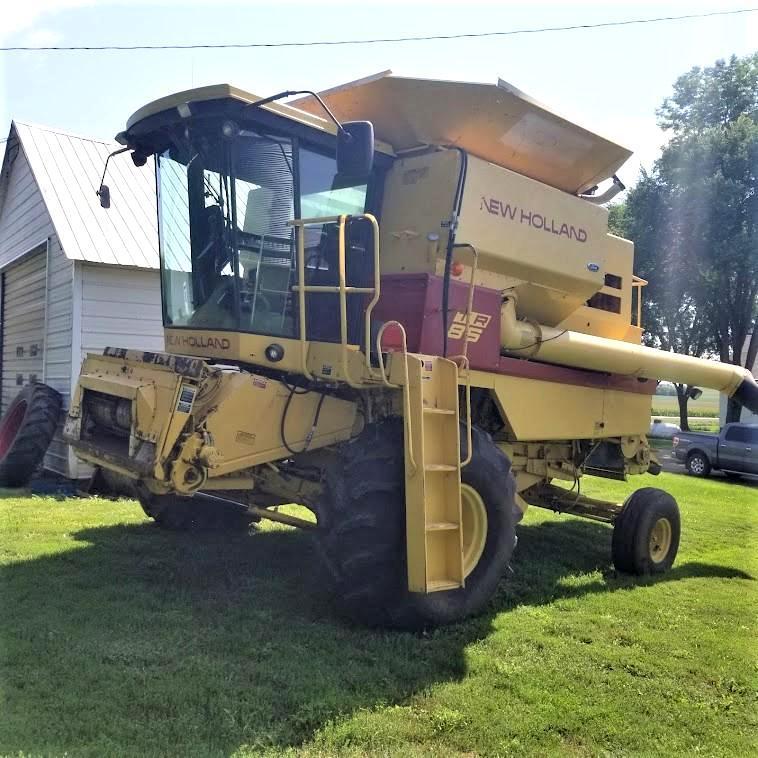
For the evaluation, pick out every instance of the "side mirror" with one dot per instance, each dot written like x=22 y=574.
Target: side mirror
x=355 y=148
x=104 y=193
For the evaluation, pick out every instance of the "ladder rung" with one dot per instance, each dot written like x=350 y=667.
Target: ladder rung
x=439 y=467
x=445 y=411
x=441 y=526
x=442 y=584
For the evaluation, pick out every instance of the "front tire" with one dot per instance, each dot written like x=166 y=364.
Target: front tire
x=362 y=531
x=698 y=465
x=194 y=514
x=646 y=533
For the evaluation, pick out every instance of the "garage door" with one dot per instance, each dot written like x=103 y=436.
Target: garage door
x=23 y=323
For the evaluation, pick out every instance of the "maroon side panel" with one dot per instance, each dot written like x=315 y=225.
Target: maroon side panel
x=416 y=301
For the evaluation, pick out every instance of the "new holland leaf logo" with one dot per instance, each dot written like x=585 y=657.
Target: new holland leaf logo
x=477 y=324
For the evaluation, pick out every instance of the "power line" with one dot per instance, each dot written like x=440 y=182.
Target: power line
x=322 y=43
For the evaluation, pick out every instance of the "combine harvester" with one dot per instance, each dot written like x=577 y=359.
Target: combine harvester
x=416 y=337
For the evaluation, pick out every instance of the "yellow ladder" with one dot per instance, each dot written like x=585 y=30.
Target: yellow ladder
x=434 y=531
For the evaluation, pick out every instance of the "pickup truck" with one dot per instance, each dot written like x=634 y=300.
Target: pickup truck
x=733 y=450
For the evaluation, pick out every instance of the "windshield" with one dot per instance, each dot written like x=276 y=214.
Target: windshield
x=228 y=257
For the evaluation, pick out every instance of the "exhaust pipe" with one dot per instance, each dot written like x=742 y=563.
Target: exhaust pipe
x=527 y=339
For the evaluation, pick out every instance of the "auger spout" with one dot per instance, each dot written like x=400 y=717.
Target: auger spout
x=570 y=348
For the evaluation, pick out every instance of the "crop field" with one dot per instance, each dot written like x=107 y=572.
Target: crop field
x=119 y=639
x=707 y=406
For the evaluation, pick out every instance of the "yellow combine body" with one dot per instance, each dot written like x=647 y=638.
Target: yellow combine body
x=415 y=336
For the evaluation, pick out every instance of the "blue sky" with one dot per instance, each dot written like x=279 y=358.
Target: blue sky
x=610 y=80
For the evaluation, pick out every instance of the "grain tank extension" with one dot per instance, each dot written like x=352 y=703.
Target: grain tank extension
x=397 y=305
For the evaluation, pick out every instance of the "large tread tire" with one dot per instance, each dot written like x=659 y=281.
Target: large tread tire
x=362 y=532
x=632 y=532
x=194 y=514
x=698 y=464
x=26 y=430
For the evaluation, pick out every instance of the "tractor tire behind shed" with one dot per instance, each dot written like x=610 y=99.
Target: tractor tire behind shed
x=26 y=430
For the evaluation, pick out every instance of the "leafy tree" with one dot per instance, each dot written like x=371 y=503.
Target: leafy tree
x=694 y=219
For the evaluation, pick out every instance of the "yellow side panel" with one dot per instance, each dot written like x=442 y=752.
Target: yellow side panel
x=626 y=413
x=419 y=197
x=537 y=410
x=246 y=424
x=525 y=229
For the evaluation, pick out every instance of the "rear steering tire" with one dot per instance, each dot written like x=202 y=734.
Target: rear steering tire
x=26 y=430
x=698 y=465
x=646 y=533
x=362 y=531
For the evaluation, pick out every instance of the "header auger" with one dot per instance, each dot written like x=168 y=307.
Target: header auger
x=416 y=337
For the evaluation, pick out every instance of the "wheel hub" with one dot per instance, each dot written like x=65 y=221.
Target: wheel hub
x=660 y=540
x=696 y=464
x=474 y=514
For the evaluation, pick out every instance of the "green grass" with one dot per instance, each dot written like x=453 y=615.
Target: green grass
x=118 y=639
x=707 y=406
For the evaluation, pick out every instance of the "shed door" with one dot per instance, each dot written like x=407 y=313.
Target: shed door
x=23 y=310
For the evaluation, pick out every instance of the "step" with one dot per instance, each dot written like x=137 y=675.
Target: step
x=444 y=411
x=439 y=467
x=437 y=585
x=441 y=526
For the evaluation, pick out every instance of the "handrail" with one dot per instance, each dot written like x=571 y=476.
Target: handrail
x=380 y=354
x=470 y=300
x=469 y=433
x=464 y=357
x=342 y=289
x=407 y=390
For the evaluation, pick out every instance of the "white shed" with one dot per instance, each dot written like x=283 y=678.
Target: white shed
x=74 y=278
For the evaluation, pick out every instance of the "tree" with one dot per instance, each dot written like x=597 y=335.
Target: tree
x=673 y=318
x=694 y=218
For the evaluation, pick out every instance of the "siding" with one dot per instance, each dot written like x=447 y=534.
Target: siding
x=121 y=307
x=24 y=220
x=114 y=307
x=57 y=363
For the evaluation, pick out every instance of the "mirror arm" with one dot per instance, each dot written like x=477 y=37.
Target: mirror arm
x=105 y=168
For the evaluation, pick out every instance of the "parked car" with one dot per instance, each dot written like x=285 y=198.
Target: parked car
x=733 y=450
x=663 y=430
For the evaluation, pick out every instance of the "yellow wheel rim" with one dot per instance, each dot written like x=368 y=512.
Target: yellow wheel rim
x=660 y=540
x=474 y=527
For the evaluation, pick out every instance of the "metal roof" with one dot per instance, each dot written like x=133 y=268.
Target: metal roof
x=67 y=169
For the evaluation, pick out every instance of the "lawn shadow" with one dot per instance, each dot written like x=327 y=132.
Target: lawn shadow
x=143 y=642
x=551 y=551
